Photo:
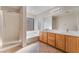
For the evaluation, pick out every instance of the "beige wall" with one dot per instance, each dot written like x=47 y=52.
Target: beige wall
x=14 y=27
x=1 y=27
x=11 y=27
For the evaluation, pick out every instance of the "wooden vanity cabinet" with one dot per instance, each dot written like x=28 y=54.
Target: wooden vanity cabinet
x=43 y=37
x=60 y=42
x=51 y=39
x=66 y=43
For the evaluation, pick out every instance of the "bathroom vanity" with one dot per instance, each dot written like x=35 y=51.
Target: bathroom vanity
x=65 y=41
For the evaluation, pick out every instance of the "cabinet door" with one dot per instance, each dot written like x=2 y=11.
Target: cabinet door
x=41 y=36
x=71 y=44
x=78 y=44
x=51 y=39
x=60 y=41
x=68 y=43
x=45 y=37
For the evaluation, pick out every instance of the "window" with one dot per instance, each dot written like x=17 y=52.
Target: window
x=30 y=24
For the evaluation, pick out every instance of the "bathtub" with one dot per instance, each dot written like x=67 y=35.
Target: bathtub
x=32 y=36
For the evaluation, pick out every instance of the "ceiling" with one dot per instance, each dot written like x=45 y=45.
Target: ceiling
x=54 y=10
x=34 y=10
x=64 y=10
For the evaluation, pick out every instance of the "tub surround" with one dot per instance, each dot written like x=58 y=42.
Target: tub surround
x=32 y=36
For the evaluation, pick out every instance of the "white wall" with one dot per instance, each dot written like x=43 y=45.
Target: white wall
x=43 y=22
x=48 y=22
x=77 y=22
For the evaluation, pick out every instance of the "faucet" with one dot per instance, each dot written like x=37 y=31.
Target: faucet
x=67 y=30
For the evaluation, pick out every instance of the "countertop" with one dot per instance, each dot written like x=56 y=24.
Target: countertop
x=72 y=33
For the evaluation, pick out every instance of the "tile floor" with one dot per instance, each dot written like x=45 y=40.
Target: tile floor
x=12 y=50
x=39 y=47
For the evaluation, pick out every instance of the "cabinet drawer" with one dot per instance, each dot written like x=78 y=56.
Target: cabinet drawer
x=60 y=36
x=51 y=35
x=51 y=38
